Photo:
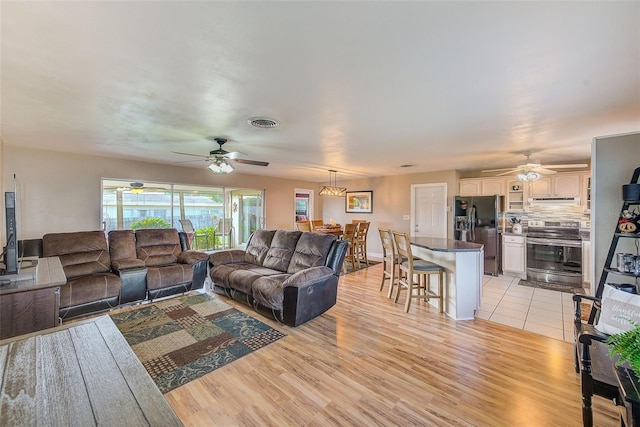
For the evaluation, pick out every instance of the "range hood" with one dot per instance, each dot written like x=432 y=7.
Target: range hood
x=554 y=201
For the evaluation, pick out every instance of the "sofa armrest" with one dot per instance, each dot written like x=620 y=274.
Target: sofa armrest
x=307 y=276
x=230 y=256
x=127 y=264
x=336 y=255
x=192 y=257
x=308 y=294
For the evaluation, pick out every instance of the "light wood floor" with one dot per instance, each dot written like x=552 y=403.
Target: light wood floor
x=365 y=362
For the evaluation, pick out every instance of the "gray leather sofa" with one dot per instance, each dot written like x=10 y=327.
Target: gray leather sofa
x=292 y=275
x=128 y=267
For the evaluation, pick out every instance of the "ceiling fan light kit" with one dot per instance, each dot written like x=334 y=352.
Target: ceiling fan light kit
x=332 y=189
x=220 y=166
x=528 y=176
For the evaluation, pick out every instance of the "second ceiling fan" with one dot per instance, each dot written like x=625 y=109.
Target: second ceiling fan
x=532 y=170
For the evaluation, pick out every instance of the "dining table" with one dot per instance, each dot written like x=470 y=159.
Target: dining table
x=329 y=229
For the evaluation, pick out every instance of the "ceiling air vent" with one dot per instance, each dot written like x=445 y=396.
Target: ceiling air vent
x=262 y=122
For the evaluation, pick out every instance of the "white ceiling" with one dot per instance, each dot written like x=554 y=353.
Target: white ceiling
x=361 y=87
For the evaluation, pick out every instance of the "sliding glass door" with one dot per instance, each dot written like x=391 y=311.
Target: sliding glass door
x=219 y=217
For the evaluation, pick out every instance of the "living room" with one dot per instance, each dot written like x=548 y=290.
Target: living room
x=343 y=367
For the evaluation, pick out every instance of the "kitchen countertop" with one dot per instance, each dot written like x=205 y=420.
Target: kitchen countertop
x=445 y=245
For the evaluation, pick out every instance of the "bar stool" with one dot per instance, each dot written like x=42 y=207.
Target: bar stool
x=389 y=260
x=421 y=268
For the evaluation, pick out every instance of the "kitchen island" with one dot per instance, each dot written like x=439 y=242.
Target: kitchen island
x=463 y=263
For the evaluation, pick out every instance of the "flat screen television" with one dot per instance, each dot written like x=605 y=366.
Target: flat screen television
x=11 y=248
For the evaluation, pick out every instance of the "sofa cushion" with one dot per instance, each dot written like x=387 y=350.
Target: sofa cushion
x=242 y=280
x=158 y=247
x=311 y=251
x=86 y=289
x=267 y=291
x=258 y=246
x=81 y=253
x=282 y=247
x=122 y=249
x=168 y=275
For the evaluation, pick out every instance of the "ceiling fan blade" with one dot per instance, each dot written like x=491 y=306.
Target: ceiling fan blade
x=544 y=171
x=567 y=166
x=251 y=162
x=509 y=172
x=206 y=159
x=233 y=155
x=189 y=154
x=499 y=170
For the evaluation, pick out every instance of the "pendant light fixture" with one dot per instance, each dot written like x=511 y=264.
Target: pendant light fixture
x=332 y=189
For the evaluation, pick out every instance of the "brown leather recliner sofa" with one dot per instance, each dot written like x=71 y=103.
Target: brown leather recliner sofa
x=292 y=275
x=133 y=266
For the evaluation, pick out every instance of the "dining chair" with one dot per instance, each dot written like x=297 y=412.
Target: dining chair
x=348 y=235
x=360 y=242
x=303 y=225
x=192 y=235
x=315 y=223
x=356 y=221
x=411 y=267
x=389 y=260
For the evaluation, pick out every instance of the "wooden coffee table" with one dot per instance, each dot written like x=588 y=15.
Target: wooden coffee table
x=81 y=374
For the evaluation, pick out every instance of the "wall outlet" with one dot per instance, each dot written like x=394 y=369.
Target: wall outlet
x=406 y=217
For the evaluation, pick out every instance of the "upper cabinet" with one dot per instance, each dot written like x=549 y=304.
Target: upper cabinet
x=560 y=185
x=482 y=186
x=567 y=184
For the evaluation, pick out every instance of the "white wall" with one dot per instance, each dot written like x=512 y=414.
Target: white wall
x=61 y=192
x=614 y=158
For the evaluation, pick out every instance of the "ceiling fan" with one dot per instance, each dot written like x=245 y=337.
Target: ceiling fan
x=532 y=170
x=138 y=188
x=218 y=158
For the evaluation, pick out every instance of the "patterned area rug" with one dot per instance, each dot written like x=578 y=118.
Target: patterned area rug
x=552 y=286
x=180 y=339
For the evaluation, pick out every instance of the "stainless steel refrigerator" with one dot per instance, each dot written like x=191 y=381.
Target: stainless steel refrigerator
x=477 y=220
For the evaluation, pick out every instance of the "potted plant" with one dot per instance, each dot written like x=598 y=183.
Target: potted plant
x=627 y=346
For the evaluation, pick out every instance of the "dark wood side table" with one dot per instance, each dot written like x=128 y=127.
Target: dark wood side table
x=31 y=301
x=630 y=391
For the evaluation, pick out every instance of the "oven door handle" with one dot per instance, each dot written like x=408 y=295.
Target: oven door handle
x=554 y=242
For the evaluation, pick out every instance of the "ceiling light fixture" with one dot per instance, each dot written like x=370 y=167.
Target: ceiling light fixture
x=220 y=165
x=332 y=189
x=528 y=176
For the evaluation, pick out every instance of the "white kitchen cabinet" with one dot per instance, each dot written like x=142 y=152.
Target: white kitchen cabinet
x=559 y=185
x=566 y=185
x=469 y=187
x=586 y=261
x=482 y=186
x=514 y=255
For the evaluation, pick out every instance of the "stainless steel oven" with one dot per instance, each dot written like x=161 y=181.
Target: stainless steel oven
x=554 y=252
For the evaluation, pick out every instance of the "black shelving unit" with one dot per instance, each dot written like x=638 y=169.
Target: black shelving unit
x=614 y=244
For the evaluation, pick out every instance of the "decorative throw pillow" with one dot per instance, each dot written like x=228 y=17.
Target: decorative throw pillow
x=619 y=309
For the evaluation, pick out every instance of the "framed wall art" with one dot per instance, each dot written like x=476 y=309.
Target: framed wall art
x=359 y=202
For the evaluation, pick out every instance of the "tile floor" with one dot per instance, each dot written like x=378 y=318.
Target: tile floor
x=542 y=311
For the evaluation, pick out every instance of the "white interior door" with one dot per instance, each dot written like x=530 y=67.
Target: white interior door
x=429 y=210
